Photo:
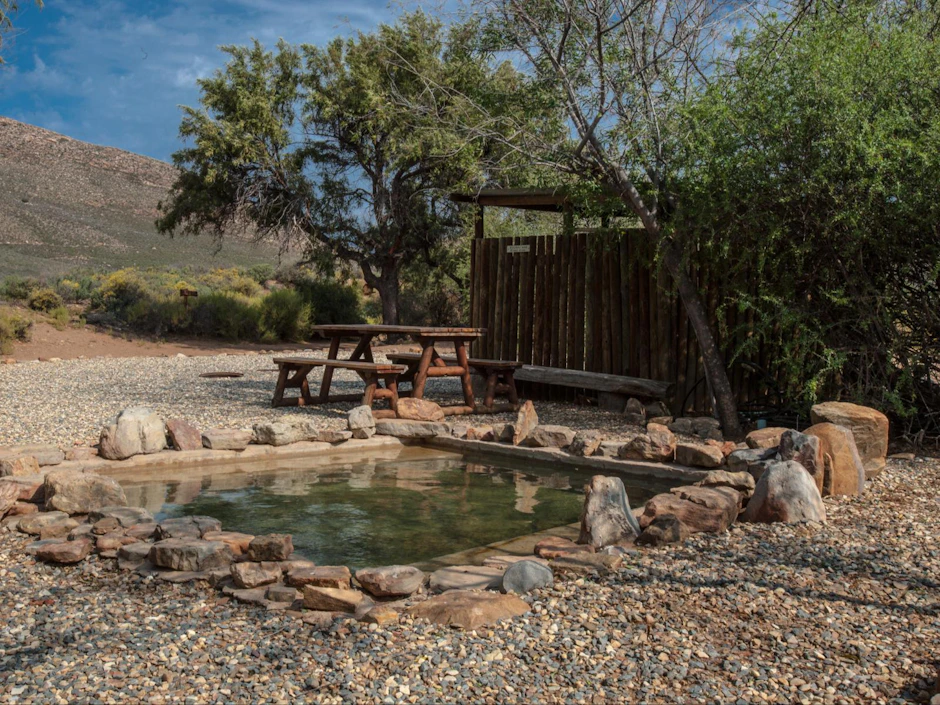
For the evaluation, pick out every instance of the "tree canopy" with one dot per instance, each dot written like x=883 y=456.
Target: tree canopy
x=811 y=170
x=8 y=10
x=306 y=143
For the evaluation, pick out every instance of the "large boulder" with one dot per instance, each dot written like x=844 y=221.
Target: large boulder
x=526 y=421
x=77 y=492
x=804 y=449
x=843 y=471
x=764 y=438
x=468 y=609
x=190 y=554
x=187 y=527
x=391 y=581
x=700 y=509
x=606 y=518
x=135 y=430
x=869 y=428
x=419 y=410
x=361 y=422
x=785 y=493
x=658 y=444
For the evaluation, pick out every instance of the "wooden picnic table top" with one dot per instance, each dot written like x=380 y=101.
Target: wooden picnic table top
x=347 y=364
x=352 y=329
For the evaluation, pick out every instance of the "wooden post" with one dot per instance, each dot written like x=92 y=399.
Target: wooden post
x=328 y=372
x=478 y=224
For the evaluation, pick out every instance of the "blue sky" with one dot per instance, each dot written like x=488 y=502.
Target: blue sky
x=114 y=72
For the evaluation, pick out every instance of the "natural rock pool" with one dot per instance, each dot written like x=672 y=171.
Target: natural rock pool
x=398 y=506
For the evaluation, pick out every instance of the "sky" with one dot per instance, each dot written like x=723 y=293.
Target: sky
x=114 y=72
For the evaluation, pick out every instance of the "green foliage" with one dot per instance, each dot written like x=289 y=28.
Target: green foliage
x=19 y=288
x=261 y=272
x=330 y=300
x=13 y=327
x=367 y=182
x=284 y=315
x=812 y=172
x=44 y=300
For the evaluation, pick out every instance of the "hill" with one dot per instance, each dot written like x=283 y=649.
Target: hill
x=66 y=204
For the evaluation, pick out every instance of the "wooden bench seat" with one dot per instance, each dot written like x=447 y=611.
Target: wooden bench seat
x=497 y=373
x=293 y=371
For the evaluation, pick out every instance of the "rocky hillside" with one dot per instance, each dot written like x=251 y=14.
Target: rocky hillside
x=67 y=204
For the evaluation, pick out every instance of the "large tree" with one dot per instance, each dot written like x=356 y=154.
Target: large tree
x=622 y=73
x=306 y=142
x=820 y=163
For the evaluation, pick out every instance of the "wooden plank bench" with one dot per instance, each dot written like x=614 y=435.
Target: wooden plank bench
x=293 y=371
x=497 y=373
x=596 y=381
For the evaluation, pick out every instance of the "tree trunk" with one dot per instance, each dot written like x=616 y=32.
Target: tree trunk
x=716 y=376
x=389 y=290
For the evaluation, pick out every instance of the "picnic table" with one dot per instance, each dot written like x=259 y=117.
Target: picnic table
x=293 y=371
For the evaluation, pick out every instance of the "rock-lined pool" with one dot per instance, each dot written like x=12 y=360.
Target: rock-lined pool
x=398 y=506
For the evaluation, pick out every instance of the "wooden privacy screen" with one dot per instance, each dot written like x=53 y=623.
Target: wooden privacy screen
x=591 y=302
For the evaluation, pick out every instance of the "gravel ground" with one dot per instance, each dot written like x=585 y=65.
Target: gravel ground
x=841 y=613
x=69 y=401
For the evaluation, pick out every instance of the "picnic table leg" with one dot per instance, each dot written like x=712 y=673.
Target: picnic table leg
x=282 y=376
x=372 y=381
x=392 y=384
x=328 y=372
x=490 y=395
x=305 y=397
x=421 y=376
x=364 y=348
x=465 y=377
x=513 y=393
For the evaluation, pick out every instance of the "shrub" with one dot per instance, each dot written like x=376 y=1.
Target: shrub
x=225 y=315
x=19 y=288
x=44 y=300
x=330 y=300
x=119 y=290
x=261 y=272
x=13 y=327
x=60 y=317
x=284 y=315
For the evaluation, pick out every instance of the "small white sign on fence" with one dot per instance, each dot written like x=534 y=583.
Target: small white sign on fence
x=515 y=249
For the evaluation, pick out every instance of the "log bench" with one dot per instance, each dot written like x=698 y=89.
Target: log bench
x=293 y=371
x=618 y=386
x=498 y=374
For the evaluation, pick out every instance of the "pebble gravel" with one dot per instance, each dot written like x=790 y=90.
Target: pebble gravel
x=68 y=401
x=845 y=612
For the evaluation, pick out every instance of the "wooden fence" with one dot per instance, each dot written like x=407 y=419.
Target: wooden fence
x=592 y=302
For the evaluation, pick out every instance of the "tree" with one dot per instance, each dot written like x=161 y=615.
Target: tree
x=8 y=9
x=306 y=143
x=820 y=163
x=622 y=74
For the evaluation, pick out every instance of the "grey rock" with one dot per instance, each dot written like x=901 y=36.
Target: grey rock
x=665 y=528
x=135 y=430
x=466 y=577
x=187 y=527
x=46 y=454
x=406 y=428
x=585 y=443
x=361 y=422
x=683 y=426
x=753 y=461
x=334 y=436
x=608 y=449
x=606 y=517
x=126 y=516
x=282 y=433
x=806 y=450
x=33 y=524
x=785 y=493
x=190 y=554
x=525 y=576
x=250 y=574
x=550 y=436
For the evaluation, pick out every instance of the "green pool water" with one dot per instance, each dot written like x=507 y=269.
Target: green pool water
x=404 y=507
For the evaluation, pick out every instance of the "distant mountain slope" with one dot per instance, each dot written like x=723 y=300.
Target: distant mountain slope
x=67 y=204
